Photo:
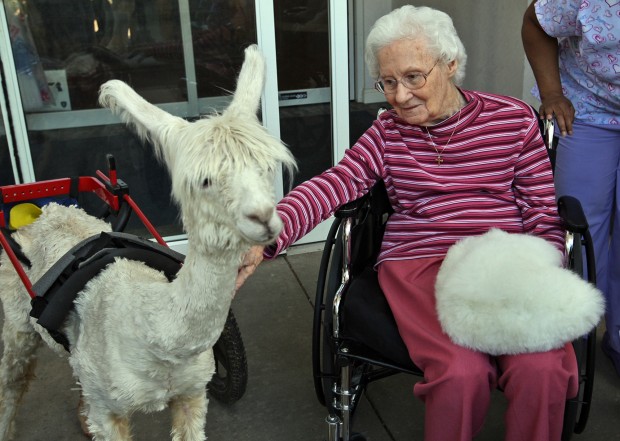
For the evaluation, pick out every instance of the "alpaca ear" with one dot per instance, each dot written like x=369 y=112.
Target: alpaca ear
x=148 y=121
x=249 y=84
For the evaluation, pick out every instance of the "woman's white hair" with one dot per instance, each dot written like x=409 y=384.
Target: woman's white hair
x=412 y=23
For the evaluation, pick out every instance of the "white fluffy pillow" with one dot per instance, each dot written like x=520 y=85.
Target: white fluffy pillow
x=502 y=293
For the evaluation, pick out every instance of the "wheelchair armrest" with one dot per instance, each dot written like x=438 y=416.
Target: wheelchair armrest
x=352 y=208
x=571 y=212
x=376 y=200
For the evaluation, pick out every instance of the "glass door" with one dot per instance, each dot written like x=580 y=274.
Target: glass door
x=309 y=34
x=302 y=53
x=182 y=55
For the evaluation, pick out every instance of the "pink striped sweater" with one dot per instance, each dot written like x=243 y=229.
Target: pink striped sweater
x=495 y=174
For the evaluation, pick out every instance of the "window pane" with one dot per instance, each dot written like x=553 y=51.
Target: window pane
x=80 y=152
x=221 y=30
x=302 y=42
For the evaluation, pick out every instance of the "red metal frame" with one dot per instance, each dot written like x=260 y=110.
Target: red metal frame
x=149 y=226
x=56 y=187
x=17 y=265
x=105 y=186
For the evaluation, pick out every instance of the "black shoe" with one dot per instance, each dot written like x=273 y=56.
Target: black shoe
x=611 y=353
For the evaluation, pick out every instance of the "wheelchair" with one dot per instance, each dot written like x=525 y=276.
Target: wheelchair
x=347 y=351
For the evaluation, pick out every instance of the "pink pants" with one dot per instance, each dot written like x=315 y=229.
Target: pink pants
x=458 y=382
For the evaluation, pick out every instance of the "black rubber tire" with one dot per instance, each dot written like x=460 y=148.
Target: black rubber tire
x=230 y=380
x=321 y=325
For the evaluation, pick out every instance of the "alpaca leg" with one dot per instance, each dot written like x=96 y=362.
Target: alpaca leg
x=16 y=370
x=83 y=417
x=189 y=417
x=104 y=425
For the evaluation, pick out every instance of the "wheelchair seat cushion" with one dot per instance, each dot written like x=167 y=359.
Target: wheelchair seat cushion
x=369 y=324
x=502 y=293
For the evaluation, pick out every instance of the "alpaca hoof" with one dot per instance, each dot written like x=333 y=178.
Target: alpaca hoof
x=82 y=418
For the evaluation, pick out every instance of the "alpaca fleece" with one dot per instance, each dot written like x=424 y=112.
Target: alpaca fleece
x=502 y=293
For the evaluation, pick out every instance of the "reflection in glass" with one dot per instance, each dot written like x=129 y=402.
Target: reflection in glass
x=302 y=44
x=221 y=30
x=138 y=41
x=80 y=152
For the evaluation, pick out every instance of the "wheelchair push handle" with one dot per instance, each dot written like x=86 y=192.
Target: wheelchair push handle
x=571 y=212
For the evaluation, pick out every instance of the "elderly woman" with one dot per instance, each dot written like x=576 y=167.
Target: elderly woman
x=455 y=163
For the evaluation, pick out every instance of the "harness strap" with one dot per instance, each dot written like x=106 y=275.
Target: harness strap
x=58 y=288
x=53 y=274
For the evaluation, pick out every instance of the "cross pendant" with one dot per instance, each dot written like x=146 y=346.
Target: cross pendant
x=439 y=160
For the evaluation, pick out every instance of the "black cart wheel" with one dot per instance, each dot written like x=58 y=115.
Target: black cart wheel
x=231 y=369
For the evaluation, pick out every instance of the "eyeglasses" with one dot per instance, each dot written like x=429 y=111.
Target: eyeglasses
x=411 y=80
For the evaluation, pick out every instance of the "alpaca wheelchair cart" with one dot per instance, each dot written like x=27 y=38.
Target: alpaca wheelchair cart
x=52 y=296
x=355 y=340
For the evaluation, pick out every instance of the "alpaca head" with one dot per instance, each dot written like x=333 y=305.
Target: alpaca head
x=222 y=167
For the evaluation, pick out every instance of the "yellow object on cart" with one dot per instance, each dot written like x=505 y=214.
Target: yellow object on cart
x=23 y=214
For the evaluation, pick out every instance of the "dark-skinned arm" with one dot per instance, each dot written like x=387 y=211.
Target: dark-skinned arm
x=542 y=53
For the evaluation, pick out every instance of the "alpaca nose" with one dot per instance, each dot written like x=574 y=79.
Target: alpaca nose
x=261 y=216
x=261 y=224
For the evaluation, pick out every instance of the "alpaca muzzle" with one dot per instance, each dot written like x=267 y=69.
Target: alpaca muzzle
x=261 y=229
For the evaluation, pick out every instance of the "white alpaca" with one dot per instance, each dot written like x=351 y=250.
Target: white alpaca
x=139 y=342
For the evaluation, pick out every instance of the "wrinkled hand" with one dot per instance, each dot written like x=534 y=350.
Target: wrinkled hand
x=250 y=262
x=563 y=110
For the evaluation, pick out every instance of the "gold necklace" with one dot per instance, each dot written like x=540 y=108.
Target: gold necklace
x=439 y=159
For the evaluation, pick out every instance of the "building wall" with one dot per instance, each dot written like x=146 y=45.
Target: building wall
x=491 y=33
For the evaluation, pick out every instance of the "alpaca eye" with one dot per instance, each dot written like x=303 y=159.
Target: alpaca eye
x=206 y=183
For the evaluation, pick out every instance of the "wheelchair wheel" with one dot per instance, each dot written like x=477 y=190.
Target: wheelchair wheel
x=577 y=410
x=323 y=361
x=326 y=360
x=229 y=382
